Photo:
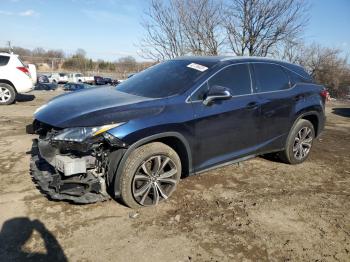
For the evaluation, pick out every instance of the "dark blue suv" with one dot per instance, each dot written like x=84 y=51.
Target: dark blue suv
x=175 y=119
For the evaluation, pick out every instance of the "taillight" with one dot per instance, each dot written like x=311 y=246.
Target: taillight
x=325 y=94
x=24 y=70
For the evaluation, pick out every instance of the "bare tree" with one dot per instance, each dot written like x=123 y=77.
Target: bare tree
x=127 y=64
x=164 y=37
x=81 y=53
x=201 y=23
x=256 y=27
x=179 y=27
x=290 y=50
x=326 y=65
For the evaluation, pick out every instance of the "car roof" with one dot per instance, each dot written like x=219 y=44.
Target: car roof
x=5 y=54
x=217 y=60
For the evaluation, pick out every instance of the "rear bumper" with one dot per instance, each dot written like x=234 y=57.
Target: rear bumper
x=24 y=85
x=76 y=189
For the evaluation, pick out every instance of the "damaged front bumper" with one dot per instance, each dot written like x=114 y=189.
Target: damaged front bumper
x=80 y=188
x=75 y=172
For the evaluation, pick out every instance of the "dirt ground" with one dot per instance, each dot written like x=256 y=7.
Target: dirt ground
x=259 y=210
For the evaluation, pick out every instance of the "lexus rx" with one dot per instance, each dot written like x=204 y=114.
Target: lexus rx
x=177 y=118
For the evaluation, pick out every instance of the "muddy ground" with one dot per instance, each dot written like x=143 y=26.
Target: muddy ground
x=259 y=210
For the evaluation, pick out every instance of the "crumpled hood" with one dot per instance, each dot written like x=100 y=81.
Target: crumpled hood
x=96 y=107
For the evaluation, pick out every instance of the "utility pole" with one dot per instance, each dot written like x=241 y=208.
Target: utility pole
x=9 y=46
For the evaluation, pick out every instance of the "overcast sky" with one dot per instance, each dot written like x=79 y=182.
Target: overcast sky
x=109 y=29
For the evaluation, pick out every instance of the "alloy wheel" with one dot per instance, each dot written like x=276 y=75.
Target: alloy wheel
x=302 y=143
x=5 y=94
x=154 y=181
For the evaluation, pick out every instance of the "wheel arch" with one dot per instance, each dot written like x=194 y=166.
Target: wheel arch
x=5 y=81
x=315 y=119
x=174 y=140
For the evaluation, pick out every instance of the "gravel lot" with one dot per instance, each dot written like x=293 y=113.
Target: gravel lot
x=259 y=210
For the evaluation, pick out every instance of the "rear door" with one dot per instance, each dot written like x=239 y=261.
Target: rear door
x=226 y=129
x=276 y=100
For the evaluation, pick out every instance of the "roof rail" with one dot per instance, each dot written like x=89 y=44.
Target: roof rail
x=249 y=57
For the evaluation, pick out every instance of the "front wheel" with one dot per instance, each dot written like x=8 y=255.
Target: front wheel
x=299 y=143
x=7 y=94
x=151 y=174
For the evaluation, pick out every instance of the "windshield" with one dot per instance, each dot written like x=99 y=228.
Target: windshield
x=163 y=80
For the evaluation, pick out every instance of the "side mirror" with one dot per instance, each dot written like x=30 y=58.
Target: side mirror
x=216 y=93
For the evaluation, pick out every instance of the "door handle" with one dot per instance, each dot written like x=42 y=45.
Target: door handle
x=252 y=105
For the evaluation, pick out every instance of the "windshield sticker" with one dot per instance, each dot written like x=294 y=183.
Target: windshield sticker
x=197 y=67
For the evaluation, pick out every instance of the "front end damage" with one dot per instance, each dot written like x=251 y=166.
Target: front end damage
x=79 y=172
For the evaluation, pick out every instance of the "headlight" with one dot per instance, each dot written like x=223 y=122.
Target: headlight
x=79 y=134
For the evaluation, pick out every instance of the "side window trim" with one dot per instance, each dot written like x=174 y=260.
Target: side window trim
x=189 y=100
x=254 y=87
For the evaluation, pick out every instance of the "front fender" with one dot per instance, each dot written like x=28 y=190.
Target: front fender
x=121 y=159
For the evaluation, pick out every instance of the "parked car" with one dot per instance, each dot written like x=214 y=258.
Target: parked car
x=45 y=86
x=108 y=81
x=43 y=79
x=58 y=78
x=15 y=77
x=76 y=86
x=178 y=118
x=99 y=80
x=79 y=78
x=115 y=82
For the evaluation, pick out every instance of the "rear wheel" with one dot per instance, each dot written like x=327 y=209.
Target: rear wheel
x=151 y=174
x=299 y=143
x=7 y=94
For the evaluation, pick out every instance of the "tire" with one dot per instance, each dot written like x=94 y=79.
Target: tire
x=7 y=94
x=297 y=152
x=149 y=187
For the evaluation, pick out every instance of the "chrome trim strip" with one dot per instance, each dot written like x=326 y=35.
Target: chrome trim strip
x=188 y=100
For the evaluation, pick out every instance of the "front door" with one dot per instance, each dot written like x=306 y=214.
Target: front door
x=226 y=129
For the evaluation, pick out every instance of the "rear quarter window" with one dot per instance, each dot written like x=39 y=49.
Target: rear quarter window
x=270 y=77
x=296 y=78
x=4 y=60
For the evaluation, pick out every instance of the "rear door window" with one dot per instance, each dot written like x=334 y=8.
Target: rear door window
x=270 y=77
x=4 y=60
